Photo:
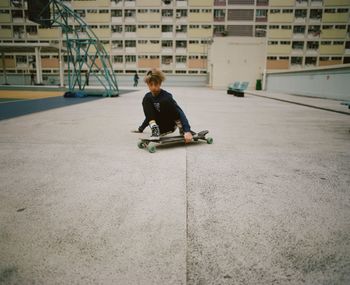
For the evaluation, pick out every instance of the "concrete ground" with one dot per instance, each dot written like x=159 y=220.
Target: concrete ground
x=267 y=203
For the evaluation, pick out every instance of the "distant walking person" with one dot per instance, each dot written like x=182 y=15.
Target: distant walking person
x=32 y=78
x=87 y=78
x=136 y=79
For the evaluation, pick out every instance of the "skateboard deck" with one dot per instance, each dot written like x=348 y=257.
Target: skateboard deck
x=152 y=144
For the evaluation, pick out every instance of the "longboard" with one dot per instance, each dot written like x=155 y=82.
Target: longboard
x=152 y=144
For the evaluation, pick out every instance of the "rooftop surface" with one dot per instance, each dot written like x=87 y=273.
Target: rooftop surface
x=267 y=203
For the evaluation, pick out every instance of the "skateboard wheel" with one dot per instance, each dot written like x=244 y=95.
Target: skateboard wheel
x=210 y=140
x=151 y=148
x=141 y=145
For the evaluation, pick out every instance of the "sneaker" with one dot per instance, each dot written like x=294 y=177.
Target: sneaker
x=155 y=132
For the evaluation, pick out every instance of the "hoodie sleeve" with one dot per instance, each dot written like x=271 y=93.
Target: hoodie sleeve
x=185 y=124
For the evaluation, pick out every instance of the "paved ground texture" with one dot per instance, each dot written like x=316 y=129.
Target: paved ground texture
x=267 y=203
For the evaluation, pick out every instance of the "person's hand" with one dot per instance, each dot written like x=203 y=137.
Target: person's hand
x=188 y=137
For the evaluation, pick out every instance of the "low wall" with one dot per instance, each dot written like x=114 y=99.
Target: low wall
x=122 y=80
x=324 y=82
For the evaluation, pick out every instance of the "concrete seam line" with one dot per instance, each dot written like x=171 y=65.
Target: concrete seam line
x=302 y=104
x=186 y=195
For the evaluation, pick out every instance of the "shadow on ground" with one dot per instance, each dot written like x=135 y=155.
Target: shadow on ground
x=18 y=107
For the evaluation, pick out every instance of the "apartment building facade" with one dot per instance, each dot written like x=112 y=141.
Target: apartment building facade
x=175 y=35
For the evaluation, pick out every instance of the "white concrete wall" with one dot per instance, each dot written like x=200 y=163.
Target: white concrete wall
x=324 y=82
x=236 y=59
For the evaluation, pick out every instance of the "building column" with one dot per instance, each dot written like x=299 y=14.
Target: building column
x=39 y=78
x=4 y=68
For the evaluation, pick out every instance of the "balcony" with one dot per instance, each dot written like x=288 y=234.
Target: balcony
x=181 y=3
x=167 y=3
x=333 y=33
x=261 y=19
x=315 y=16
x=205 y=17
x=5 y=18
x=301 y=3
x=282 y=3
x=262 y=3
x=316 y=3
x=149 y=17
x=279 y=49
x=332 y=49
x=335 y=17
x=328 y=62
x=5 y=4
x=312 y=48
x=200 y=3
x=300 y=15
x=9 y=63
x=297 y=47
x=90 y=4
x=129 y=3
x=98 y=17
x=277 y=64
x=336 y=2
x=314 y=32
x=116 y=3
x=279 y=34
x=148 y=48
x=219 y=2
x=150 y=3
x=149 y=63
x=281 y=17
x=6 y=33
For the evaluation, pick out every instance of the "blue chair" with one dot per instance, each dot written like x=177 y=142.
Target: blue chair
x=239 y=92
x=233 y=87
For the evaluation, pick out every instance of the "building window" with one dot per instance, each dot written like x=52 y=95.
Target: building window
x=299 y=29
x=300 y=13
x=296 y=60
x=167 y=28
x=118 y=59
x=116 y=13
x=298 y=45
x=130 y=28
x=310 y=60
x=117 y=29
x=181 y=44
x=167 y=13
x=130 y=44
x=261 y=13
x=312 y=45
x=167 y=44
x=130 y=58
x=180 y=59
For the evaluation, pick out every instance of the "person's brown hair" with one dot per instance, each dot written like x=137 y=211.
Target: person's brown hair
x=154 y=75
